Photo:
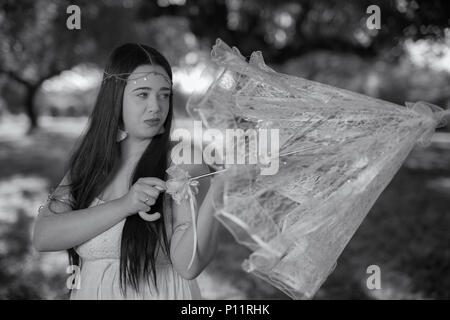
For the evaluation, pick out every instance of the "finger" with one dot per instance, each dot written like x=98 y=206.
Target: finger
x=149 y=201
x=150 y=191
x=154 y=182
x=146 y=208
x=142 y=196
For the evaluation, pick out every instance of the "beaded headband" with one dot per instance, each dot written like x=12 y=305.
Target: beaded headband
x=138 y=75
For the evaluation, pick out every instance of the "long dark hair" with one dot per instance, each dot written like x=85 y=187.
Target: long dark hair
x=96 y=158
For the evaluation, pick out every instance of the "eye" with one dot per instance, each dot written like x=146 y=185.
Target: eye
x=143 y=95
x=164 y=96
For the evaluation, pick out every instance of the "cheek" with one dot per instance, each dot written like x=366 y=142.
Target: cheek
x=165 y=110
x=130 y=112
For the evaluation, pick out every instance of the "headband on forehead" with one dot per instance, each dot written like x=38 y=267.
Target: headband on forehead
x=138 y=75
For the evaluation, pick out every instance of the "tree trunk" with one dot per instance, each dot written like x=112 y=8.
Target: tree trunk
x=31 y=90
x=30 y=109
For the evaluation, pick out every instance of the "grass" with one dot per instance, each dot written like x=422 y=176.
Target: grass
x=405 y=234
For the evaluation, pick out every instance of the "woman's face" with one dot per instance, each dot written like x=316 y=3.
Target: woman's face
x=146 y=101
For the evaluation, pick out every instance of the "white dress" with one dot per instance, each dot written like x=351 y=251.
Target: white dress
x=99 y=276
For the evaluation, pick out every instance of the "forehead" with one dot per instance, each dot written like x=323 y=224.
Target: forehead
x=152 y=76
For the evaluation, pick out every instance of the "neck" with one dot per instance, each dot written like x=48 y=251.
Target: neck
x=132 y=149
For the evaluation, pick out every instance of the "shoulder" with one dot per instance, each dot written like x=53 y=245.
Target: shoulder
x=59 y=199
x=66 y=180
x=64 y=187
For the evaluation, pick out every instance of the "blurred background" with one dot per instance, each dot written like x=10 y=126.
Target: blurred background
x=49 y=79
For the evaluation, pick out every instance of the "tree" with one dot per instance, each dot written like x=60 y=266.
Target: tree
x=287 y=28
x=37 y=45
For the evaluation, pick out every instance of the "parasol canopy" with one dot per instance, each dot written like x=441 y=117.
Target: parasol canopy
x=338 y=150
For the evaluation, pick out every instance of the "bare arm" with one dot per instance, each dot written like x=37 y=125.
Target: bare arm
x=69 y=228
x=207 y=228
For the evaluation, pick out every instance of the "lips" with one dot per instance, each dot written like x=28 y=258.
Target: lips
x=152 y=122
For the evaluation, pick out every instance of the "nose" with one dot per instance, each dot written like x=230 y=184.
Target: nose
x=153 y=105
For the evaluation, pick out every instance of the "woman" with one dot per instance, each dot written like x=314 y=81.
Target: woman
x=117 y=170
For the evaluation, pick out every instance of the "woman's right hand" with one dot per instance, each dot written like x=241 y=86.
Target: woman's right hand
x=147 y=188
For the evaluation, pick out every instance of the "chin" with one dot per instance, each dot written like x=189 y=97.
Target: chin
x=151 y=133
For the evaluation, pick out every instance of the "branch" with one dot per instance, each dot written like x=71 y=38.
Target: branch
x=15 y=76
x=54 y=71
